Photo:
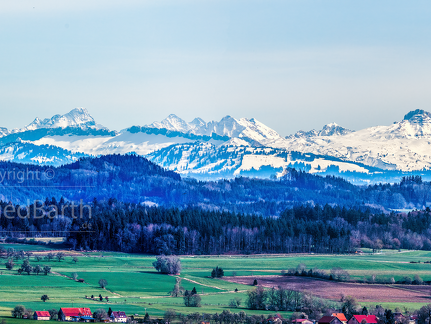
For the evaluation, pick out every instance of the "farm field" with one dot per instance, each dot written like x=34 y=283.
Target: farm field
x=364 y=293
x=135 y=287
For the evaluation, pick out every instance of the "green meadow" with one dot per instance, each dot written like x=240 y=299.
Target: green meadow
x=135 y=287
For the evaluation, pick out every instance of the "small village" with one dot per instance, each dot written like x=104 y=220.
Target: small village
x=80 y=315
x=86 y=316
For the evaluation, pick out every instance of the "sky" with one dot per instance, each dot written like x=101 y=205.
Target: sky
x=291 y=64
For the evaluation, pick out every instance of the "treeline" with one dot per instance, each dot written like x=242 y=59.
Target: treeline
x=339 y=274
x=281 y=299
x=132 y=227
x=170 y=133
x=37 y=134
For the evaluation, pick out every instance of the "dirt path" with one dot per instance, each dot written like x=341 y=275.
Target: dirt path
x=201 y=284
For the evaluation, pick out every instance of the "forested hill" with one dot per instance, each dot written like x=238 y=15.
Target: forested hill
x=134 y=179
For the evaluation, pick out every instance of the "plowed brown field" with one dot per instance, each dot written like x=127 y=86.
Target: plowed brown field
x=334 y=290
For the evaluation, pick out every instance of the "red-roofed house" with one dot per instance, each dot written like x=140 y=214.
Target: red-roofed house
x=329 y=320
x=358 y=319
x=341 y=317
x=41 y=316
x=73 y=314
x=276 y=319
x=119 y=317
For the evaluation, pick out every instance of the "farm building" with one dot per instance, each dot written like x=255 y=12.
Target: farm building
x=358 y=319
x=41 y=316
x=75 y=314
x=302 y=321
x=330 y=320
x=341 y=317
x=413 y=319
x=276 y=319
x=119 y=317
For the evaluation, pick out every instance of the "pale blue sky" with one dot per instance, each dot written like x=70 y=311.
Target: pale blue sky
x=290 y=64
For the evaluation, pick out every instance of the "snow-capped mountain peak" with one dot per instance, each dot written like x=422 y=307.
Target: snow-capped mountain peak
x=418 y=116
x=227 y=126
x=416 y=123
x=172 y=123
x=197 y=123
x=331 y=129
x=257 y=131
x=78 y=117
x=249 y=129
x=3 y=131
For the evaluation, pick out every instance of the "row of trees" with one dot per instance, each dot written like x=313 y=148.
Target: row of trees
x=11 y=253
x=305 y=229
x=28 y=268
x=336 y=273
x=281 y=299
x=339 y=274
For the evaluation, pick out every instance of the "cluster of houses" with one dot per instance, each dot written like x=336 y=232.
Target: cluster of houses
x=80 y=315
x=85 y=315
x=340 y=318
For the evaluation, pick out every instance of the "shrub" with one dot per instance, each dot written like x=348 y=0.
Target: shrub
x=192 y=300
x=167 y=264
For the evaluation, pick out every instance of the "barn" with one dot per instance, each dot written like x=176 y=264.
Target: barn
x=41 y=316
x=74 y=314
x=363 y=319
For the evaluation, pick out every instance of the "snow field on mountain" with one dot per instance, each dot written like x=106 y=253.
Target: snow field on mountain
x=257 y=161
x=126 y=142
x=252 y=161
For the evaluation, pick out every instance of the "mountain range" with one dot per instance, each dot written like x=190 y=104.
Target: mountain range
x=231 y=147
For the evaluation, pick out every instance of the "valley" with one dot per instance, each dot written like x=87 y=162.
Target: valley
x=134 y=286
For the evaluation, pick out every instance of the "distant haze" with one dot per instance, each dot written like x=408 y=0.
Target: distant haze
x=293 y=65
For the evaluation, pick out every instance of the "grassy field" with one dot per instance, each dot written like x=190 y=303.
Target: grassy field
x=26 y=247
x=135 y=287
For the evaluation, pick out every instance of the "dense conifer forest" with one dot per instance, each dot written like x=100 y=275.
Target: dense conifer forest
x=129 y=227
